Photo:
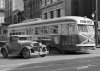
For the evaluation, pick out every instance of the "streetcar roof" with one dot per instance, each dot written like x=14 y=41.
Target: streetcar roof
x=39 y=22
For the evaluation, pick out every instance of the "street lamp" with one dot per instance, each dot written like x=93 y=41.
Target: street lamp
x=93 y=16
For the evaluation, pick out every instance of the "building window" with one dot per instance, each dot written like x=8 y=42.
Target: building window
x=45 y=15
x=58 y=12
x=51 y=14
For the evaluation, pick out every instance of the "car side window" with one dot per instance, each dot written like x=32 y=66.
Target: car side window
x=11 y=39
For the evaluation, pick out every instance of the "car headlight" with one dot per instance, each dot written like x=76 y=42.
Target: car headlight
x=32 y=44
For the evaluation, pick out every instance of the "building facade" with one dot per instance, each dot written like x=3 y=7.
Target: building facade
x=32 y=8
x=8 y=11
x=3 y=26
x=59 y=8
x=54 y=8
x=10 y=6
x=18 y=5
x=2 y=4
x=2 y=11
x=18 y=16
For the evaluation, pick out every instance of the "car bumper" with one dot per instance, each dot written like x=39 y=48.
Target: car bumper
x=39 y=53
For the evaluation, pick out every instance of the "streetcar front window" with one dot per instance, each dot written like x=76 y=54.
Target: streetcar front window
x=82 y=28
x=85 y=28
x=91 y=28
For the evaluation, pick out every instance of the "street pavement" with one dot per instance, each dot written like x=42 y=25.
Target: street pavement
x=54 y=62
x=83 y=64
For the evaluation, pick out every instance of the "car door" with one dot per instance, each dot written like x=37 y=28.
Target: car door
x=14 y=45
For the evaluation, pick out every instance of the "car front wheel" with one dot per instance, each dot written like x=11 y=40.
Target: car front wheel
x=26 y=53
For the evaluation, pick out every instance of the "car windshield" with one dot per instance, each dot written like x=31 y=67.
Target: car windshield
x=85 y=28
x=36 y=44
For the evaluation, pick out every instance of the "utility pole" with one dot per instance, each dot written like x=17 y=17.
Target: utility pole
x=96 y=23
x=95 y=19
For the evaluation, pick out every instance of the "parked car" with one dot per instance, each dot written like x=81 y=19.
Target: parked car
x=21 y=46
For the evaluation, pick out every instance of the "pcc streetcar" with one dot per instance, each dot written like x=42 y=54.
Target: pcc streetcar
x=70 y=33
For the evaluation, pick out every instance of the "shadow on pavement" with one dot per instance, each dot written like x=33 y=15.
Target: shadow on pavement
x=53 y=53
x=67 y=53
x=14 y=57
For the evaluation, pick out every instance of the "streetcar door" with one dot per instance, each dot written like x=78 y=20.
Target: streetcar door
x=64 y=35
x=72 y=35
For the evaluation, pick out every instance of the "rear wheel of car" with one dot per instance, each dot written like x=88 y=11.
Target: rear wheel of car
x=4 y=53
x=26 y=53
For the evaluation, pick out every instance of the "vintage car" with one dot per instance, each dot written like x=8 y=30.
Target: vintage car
x=25 y=48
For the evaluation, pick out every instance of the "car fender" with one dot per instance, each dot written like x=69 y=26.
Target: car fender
x=4 y=47
x=26 y=47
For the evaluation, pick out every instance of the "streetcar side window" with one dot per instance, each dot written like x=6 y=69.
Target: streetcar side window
x=72 y=29
x=36 y=30
x=55 y=29
x=64 y=29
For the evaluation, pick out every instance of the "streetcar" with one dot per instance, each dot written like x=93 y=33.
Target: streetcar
x=64 y=34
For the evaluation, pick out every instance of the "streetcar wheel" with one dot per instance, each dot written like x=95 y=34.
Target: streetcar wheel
x=26 y=53
x=4 y=53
